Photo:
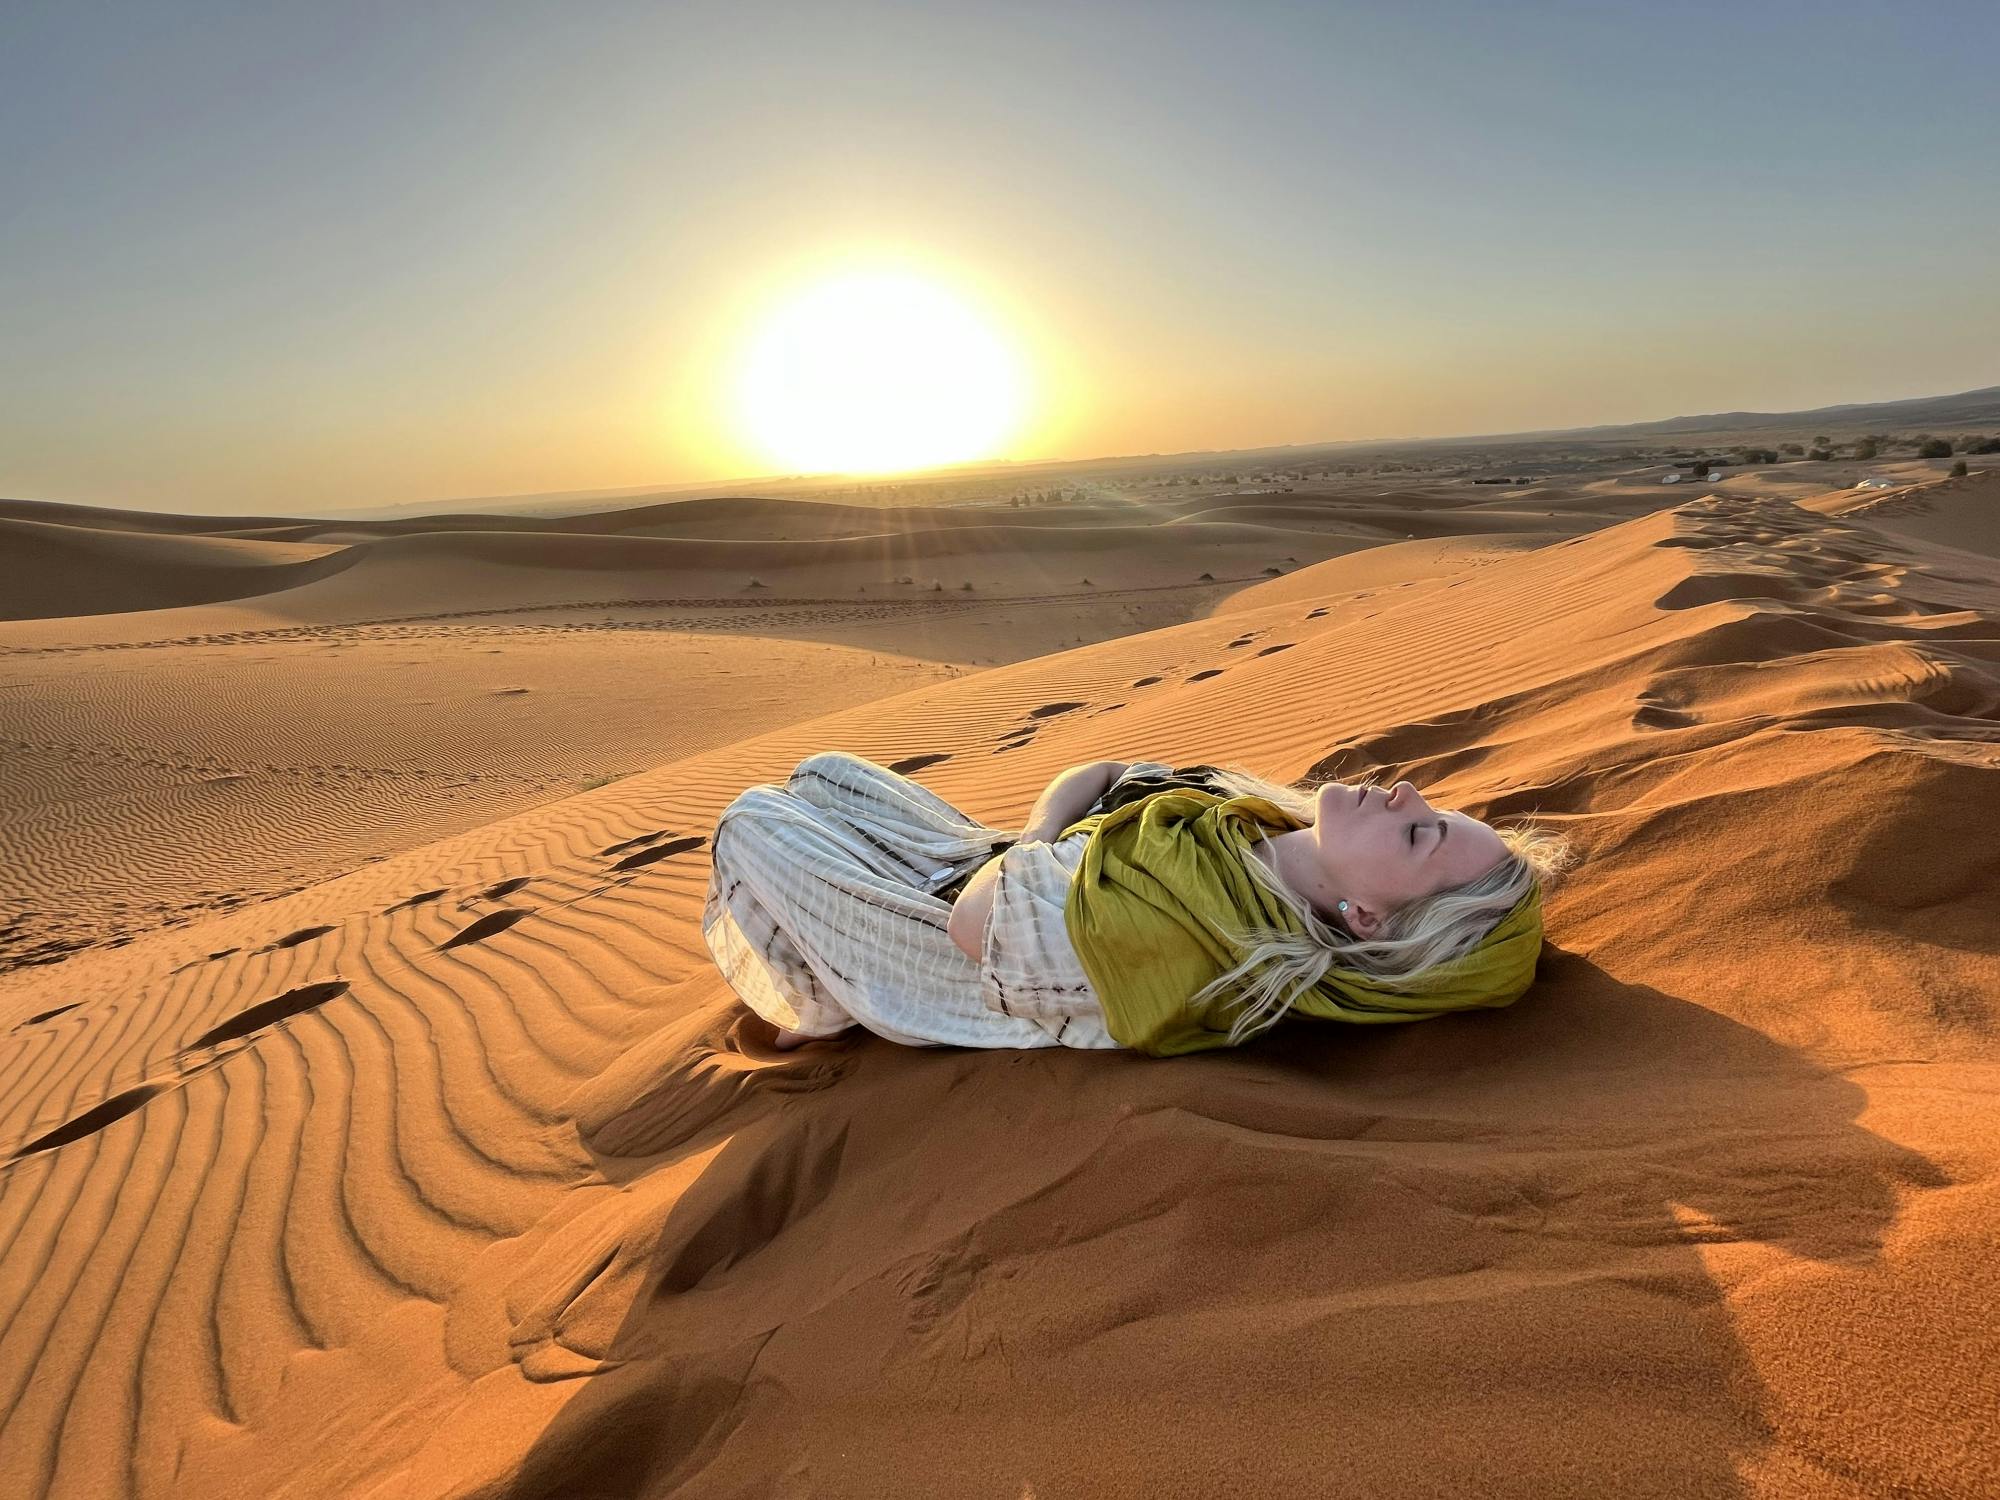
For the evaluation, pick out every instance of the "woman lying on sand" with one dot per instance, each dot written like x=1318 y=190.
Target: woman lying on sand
x=1163 y=910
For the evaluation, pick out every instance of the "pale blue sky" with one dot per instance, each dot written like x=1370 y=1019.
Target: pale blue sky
x=291 y=257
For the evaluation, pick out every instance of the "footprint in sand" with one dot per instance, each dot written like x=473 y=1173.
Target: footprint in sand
x=911 y=763
x=1657 y=711
x=647 y=856
x=484 y=928
x=293 y=939
x=419 y=899
x=1204 y=676
x=633 y=843
x=267 y=1013
x=504 y=888
x=91 y=1120
x=1050 y=710
x=256 y=1018
x=1281 y=646
x=47 y=1015
x=1148 y=681
x=195 y=963
x=1316 y=614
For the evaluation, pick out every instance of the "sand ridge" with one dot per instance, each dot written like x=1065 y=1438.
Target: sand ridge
x=462 y=1174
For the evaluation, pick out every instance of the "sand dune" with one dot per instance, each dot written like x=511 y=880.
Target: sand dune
x=1957 y=514
x=1375 y=570
x=54 y=513
x=463 y=1175
x=50 y=570
x=167 y=763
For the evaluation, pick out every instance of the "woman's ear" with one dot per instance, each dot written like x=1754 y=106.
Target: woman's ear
x=1360 y=921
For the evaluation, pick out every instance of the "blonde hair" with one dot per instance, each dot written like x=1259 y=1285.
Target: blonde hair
x=1416 y=937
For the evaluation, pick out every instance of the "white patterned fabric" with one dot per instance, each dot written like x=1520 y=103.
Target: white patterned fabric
x=821 y=916
x=1028 y=966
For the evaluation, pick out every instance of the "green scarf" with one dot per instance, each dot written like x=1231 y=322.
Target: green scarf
x=1162 y=884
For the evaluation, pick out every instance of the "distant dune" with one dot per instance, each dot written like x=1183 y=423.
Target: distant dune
x=90 y=570
x=1963 y=514
x=458 y=1172
x=54 y=514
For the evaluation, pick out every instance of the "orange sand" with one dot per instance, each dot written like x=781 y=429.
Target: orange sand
x=304 y=1197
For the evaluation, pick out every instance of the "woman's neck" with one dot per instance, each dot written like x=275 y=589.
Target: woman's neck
x=1289 y=856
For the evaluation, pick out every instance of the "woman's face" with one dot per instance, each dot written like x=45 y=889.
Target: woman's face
x=1382 y=849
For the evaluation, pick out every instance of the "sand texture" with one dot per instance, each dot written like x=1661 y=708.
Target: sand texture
x=406 y=1144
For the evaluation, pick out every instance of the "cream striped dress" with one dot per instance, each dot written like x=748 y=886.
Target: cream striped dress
x=822 y=916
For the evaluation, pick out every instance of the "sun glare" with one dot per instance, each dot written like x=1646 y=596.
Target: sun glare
x=874 y=372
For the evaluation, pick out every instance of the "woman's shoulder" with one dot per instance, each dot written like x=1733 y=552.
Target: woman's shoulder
x=1143 y=778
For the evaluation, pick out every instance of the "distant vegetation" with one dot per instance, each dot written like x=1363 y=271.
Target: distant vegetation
x=1530 y=459
x=1045 y=497
x=1824 y=449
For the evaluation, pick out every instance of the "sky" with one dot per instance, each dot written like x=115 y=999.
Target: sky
x=280 y=257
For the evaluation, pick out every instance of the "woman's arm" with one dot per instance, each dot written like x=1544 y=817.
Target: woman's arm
x=1068 y=798
x=1062 y=802
x=967 y=923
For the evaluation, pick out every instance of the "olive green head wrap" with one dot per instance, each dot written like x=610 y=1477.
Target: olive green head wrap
x=1164 y=885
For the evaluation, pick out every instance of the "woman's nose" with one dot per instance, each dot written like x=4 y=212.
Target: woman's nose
x=1402 y=795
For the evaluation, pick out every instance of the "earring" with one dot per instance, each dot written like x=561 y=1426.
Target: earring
x=1343 y=906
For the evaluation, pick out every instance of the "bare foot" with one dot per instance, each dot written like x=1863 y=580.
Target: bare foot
x=790 y=1039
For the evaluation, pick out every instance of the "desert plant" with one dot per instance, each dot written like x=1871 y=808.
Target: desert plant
x=1934 y=448
x=1822 y=454
x=1867 y=448
x=1958 y=470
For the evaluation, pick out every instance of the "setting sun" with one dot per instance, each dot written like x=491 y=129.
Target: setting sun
x=872 y=372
